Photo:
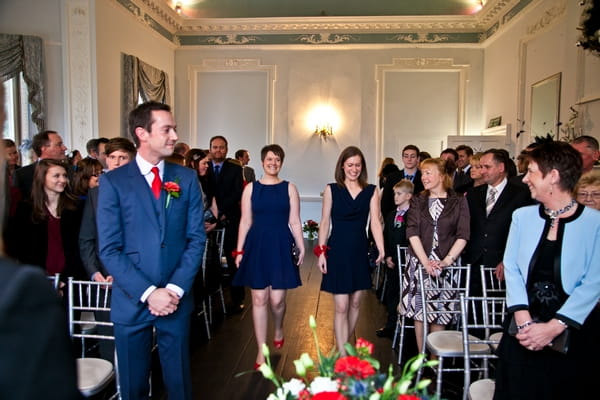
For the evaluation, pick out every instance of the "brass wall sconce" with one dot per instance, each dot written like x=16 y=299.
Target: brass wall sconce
x=324 y=131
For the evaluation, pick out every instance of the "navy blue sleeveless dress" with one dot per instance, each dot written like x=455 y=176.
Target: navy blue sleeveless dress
x=267 y=259
x=348 y=261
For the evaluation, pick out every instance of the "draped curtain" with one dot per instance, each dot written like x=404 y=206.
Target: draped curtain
x=19 y=53
x=141 y=80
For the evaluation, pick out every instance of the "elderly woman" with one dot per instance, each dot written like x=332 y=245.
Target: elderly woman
x=588 y=190
x=437 y=230
x=552 y=268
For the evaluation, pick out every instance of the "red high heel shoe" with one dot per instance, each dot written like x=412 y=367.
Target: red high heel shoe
x=278 y=343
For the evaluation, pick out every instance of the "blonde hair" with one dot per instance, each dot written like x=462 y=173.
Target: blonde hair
x=442 y=166
x=591 y=178
x=405 y=184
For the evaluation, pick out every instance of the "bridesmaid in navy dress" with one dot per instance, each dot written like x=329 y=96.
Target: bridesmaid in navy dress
x=269 y=226
x=343 y=247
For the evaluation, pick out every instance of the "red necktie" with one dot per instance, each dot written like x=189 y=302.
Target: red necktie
x=156 y=182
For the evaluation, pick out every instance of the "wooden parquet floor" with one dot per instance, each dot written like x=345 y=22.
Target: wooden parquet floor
x=232 y=349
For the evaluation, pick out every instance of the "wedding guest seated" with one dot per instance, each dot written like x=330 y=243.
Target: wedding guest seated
x=46 y=228
x=588 y=190
x=86 y=176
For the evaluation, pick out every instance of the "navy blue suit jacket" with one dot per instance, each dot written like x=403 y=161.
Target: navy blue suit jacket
x=144 y=243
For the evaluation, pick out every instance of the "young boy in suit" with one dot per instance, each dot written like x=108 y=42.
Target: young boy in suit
x=394 y=233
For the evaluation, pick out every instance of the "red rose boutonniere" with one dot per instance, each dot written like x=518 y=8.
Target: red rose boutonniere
x=173 y=190
x=399 y=221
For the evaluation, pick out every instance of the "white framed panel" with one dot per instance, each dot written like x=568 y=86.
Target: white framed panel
x=420 y=101
x=233 y=98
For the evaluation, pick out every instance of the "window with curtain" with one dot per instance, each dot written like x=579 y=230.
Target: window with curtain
x=141 y=82
x=22 y=74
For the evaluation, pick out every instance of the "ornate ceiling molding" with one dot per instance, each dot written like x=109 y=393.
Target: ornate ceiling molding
x=183 y=31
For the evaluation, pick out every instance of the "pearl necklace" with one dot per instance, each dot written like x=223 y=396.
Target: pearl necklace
x=553 y=214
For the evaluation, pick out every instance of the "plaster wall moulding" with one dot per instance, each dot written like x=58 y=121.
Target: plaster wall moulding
x=548 y=18
x=357 y=24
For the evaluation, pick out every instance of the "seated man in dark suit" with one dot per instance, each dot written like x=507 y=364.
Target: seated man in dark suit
x=410 y=159
x=491 y=207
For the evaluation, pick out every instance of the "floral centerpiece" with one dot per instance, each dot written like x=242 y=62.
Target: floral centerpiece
x=311 y=227
x=351 y=377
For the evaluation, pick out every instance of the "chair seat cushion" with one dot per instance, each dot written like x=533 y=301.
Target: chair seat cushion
x=482 y=389
x=93 y=374
x=450 y=344
x=495 y=338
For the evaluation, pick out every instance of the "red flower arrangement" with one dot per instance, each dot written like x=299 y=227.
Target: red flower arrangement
x=311 y=227
x=355 y=376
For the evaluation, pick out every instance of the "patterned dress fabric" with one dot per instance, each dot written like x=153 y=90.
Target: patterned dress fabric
x=267 y=259
x=348 y=262
x=411 y=302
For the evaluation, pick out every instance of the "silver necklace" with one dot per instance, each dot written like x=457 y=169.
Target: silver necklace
x=553 y=214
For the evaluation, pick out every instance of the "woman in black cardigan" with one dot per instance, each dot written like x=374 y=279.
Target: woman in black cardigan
x=46 y=228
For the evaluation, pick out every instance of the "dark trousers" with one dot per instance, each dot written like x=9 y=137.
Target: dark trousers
x=392 y=296
x=134 y=354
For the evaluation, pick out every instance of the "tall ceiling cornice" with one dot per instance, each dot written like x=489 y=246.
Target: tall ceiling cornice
x=159 y=15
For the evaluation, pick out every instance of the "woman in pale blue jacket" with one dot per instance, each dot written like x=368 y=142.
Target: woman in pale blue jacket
x=552 y=268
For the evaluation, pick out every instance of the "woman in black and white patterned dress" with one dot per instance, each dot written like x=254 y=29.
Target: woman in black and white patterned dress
x=438 y=230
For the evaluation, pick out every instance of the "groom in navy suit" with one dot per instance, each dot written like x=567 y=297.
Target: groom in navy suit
x=151 y=239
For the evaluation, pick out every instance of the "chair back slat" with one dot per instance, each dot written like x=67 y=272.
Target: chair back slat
x=483 y=319
x=88 y=297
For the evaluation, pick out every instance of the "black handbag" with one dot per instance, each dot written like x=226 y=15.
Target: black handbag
x=559 y=343
x=295 y=254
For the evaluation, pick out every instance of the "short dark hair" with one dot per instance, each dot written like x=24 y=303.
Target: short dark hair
x=9 y=143
x=411 y=147
x=590 y=141
x=92 y=146
x=348 y=152
x=240 y=153
x=562 y=157
x=141 y=117
x=499 y=156
x=274 y=148
x=120 y=143
x=450 y=150
x=465 y=148
x=218 y=137
x=40 y=140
